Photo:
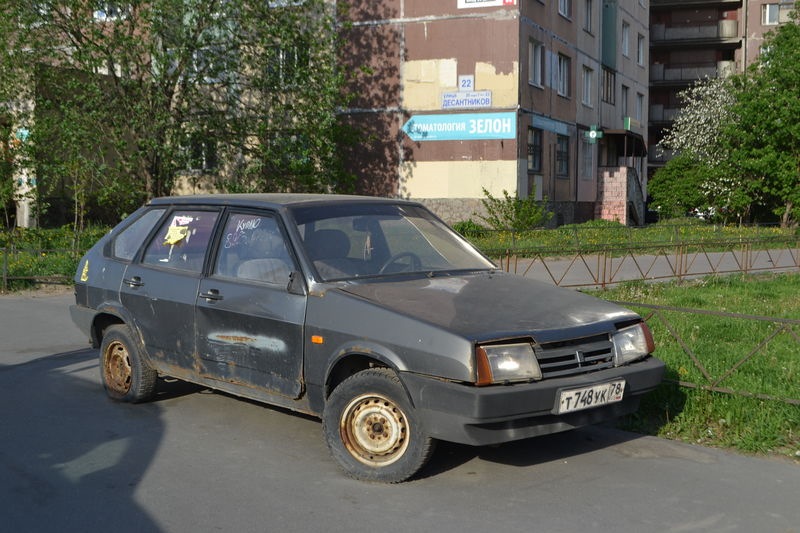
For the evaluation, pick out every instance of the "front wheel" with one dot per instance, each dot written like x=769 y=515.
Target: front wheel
x=125 y=373
x=372 y=430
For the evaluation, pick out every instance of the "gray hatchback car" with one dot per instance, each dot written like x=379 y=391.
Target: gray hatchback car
x=369 y=313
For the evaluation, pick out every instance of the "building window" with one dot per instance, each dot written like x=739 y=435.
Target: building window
x=534 y=150
x=536 y=63
x=588 y=15
x=588 y=86
x=565 y=8
x=626 y=37
x=562 y=156
x=286 y=65
x=609 y=86
x=108 y=11
x=200 y=152
x=770 y=14
x=640 y=50
x=623 y=104
x=639 y=107
x=586 y=159
x=564 y=66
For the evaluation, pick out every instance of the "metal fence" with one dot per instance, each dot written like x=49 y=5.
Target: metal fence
x=716 y=380
x=654 y=262
x=37 y=266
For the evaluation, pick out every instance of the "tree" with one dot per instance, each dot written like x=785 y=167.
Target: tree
x=131 y=95
x=766 y=147
x=740 y=137
x=698 y=128
x=701 y=176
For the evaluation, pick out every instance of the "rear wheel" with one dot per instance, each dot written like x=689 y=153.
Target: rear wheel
x=126 y=375
x=372 y=430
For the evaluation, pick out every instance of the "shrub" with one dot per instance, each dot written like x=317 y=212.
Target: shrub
x=470 y=228
x=513 y=213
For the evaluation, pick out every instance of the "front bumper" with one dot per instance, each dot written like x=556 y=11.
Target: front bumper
x=490 y=415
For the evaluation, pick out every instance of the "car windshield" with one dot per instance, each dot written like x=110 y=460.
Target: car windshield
x=352 y=240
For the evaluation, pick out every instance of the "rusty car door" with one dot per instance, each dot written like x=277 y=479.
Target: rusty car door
x=160 y=289
x=249 y=325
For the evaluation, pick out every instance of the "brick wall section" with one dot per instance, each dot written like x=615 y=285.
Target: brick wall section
x=612 y=195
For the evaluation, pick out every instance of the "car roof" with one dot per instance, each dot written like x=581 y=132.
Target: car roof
x=273 y=200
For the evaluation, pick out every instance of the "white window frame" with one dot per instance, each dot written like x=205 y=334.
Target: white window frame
x=536 y=63
x=564 y=75
x=588 y=16
x=640 y=49
x=565 y=8
x=626 y=38
x=588 y=87
x=770 y=14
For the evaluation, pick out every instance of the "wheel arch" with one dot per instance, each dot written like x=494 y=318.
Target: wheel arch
x=354 y=359
x=110 y=315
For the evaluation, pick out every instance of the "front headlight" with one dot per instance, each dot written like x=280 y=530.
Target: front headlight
x=500 y=363
x=632 y=343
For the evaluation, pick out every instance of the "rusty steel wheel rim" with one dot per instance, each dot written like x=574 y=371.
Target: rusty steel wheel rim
x=117 y=368
x=375 y=430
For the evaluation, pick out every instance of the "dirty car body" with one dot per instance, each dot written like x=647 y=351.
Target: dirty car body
x=369 y=313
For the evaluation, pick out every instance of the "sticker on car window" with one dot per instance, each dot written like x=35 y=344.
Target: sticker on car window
x=175 y=234
x=85 y=271
x=181 y=220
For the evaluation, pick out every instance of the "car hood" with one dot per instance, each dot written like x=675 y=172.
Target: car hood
x=485 y=306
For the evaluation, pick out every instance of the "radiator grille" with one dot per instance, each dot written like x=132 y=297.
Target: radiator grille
x=577 y=356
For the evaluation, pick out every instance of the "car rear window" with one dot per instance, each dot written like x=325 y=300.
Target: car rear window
x=128 y=242
x=182 y=241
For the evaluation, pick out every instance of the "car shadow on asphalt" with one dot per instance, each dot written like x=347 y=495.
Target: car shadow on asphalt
x=528 y=452
x=70 y=458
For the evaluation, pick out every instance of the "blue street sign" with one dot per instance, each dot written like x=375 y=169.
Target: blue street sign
x=462 y=127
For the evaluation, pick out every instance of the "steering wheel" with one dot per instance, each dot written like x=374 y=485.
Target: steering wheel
x=415 y=262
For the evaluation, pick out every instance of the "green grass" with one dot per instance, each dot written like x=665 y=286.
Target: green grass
x=31 y=255
x=766 y=356
x=602 y=235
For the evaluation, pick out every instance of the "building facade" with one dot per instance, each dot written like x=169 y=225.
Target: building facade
x=535 y=97
x=694 y=39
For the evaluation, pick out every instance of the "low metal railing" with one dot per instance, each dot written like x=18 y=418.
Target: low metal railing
x=654 y=262
x=715 y=380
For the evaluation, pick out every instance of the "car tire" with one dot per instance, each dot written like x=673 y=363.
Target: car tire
x=125 y=373
x=372 y=430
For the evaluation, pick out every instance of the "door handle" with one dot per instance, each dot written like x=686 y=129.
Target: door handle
x=211 y=295
x=135 y=281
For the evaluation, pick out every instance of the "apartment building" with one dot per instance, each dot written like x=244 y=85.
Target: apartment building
x=694 y=39
x=535 y=97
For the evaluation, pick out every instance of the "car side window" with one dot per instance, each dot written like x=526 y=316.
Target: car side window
x=253 y=248
x=182 y=241
x=128 y=242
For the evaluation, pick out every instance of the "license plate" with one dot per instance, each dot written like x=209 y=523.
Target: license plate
x=588 y=397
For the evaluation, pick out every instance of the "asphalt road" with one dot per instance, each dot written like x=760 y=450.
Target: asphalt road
x=73 y=461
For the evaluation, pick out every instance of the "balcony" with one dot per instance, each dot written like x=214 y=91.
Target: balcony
x=661 y=114
x=677 y=76
x=724 y=34
x=655 y=5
